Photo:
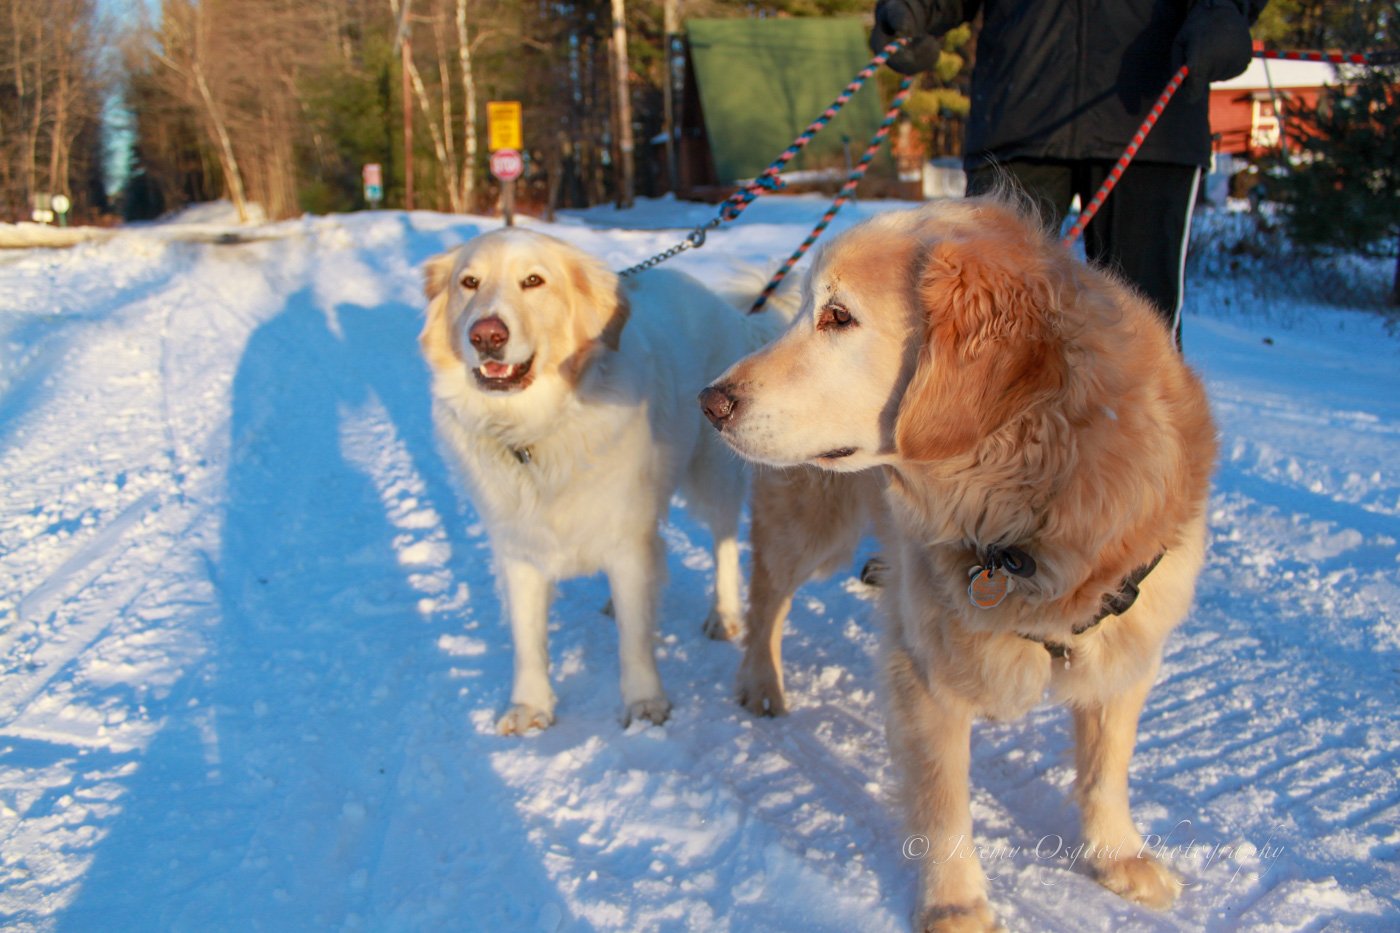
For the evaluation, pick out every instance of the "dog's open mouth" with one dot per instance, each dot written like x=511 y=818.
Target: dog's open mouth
x=503 y=377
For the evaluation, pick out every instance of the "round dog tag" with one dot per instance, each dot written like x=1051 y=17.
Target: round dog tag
x=988 y=588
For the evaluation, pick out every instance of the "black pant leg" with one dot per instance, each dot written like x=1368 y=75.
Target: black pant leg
x=1142 y=229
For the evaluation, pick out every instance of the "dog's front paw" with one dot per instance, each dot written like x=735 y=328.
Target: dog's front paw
x=655 y=710
x=522 y=717
x=1140 y=878
x=760 y=689
x=719 y=627
x=946 y=918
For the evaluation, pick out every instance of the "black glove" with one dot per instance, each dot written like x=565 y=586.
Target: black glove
x=1214 y=43
x=901 y=19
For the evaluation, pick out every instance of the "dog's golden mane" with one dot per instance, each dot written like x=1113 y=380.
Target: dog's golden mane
x=1005 y=433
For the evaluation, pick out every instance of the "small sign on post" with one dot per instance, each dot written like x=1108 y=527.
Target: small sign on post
x=505 y=139
x=61 y=204
x=503 y=125
x=43 y=208
x=373 y=175
x=506 y=164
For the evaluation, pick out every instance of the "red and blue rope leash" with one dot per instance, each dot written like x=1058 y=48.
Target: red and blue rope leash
x=852 y=180
x=1384 y=57
x=768 y=179
x=1388 y=57
x=1115 y=173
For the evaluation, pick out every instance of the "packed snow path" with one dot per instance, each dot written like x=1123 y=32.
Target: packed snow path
x=251 y=652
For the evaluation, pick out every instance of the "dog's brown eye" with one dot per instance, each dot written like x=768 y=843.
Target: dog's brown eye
x=471 y=283
x=834 y=316
x=532 y=281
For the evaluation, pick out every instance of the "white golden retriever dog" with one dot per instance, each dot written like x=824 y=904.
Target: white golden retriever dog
x=565 y=396
x=1047 y=457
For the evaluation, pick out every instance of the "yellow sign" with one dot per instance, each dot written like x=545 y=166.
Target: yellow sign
x=503 y=125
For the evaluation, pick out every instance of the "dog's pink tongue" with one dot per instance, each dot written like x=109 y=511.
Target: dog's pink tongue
x=494 y=370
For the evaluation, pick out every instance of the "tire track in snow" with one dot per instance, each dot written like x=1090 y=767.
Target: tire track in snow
x=90 y=560
x=56 y=603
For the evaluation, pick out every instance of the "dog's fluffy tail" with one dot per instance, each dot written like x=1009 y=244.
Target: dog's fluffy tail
x=744 y=285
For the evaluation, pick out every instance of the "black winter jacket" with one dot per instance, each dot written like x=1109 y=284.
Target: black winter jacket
x=1073 y=79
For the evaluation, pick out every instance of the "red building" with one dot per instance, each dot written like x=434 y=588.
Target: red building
x=1243 y=119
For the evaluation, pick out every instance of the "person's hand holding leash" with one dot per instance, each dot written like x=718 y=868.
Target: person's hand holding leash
x=1214 y=43
x=901 y=19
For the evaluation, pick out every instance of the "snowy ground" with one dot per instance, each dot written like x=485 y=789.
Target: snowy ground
x=251 y=655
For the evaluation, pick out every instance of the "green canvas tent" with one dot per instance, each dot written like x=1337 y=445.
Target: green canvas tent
x=761 y=82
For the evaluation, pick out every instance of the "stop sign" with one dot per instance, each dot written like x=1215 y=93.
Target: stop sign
x=506 y=164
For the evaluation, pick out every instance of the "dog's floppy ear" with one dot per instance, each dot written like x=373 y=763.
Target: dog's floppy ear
x=600 y=311
x=990 y=345
x=439 y=344
x=437 y=273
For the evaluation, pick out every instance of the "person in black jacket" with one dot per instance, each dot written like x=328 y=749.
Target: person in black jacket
x=1058 y=90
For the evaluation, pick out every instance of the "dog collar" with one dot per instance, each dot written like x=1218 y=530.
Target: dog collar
x=1119 y=602
x=521 y=455
x=1113 y=604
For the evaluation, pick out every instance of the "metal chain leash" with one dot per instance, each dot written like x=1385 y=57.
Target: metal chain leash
x=693 y=240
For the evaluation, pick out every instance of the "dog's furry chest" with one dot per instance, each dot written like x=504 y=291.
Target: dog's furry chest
x=559 y=501
x=997 y=659
x=998 y=677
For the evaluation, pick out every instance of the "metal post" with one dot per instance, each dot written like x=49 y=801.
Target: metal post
x=1276 y=100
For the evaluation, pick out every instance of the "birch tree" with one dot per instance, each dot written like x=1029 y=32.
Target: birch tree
x=50 y=102
x=184 y=49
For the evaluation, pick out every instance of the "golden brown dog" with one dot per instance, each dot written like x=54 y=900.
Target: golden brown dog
x=1047 y=457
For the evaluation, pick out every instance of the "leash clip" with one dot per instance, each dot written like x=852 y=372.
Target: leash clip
x=1013 y=560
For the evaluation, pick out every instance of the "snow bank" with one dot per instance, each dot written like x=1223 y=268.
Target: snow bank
x=32 y=236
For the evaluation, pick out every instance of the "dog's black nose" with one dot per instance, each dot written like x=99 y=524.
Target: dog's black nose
x=717 y=404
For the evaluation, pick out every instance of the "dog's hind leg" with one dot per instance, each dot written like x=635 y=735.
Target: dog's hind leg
x=1104 y=738
x=634 y=573
x=722 y=624
x=714 y=489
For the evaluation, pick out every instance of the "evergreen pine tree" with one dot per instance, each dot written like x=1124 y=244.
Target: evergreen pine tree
x=1344 y=190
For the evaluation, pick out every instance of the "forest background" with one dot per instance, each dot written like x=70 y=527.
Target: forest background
x=133 y=108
